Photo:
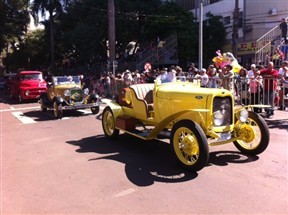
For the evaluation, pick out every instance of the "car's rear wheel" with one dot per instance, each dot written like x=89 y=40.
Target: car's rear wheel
x=42 y=101
x=254 y=133
x=95 y=110
x=58 y=110
x=108 y=124
x=189 y=145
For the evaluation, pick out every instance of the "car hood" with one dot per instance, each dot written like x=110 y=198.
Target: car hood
x=180 y=90
x=33 y=83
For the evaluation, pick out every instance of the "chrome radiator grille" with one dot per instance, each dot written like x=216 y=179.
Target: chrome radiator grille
x=224 y=105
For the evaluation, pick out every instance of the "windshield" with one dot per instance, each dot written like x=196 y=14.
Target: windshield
x=60 y=80
x=37 y=76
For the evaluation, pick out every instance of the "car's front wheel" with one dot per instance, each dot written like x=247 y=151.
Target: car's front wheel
x=95 y=110
x=189 y=145
x=58 y=110
x=108 y=123
x=254 y=134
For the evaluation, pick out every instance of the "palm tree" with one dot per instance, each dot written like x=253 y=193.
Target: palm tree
x=54 y=8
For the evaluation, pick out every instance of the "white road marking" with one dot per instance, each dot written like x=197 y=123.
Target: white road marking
x=28 y=120
x=85 y=111
x=38 y=107
x=24 y=108
x=125 y=192
x=24 y=119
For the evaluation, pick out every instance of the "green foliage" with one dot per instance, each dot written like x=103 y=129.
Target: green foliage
x=80 y=28
x=214 y=37
x=14 y=18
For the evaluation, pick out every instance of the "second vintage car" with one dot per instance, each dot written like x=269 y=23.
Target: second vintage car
x=66 y=93
x=26 y=85
x=193 y=118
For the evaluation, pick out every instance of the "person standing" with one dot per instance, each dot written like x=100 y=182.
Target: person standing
x=270 y=76
x=204 y=78
x=255 y=87
x=283 y=27
x=151 y=77
x=283 y=78
x=171 y=75
x=227 y=75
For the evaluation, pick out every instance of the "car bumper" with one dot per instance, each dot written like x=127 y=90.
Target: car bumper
x=32 y=94
x=81 y=106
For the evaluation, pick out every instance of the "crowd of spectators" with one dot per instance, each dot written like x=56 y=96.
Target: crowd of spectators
x=256 y=85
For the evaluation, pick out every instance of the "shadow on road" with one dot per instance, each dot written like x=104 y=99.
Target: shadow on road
x=278 y=124
x=223 y=158
x=147 y=162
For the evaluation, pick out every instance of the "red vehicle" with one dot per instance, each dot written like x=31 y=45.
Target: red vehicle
x=27 y=85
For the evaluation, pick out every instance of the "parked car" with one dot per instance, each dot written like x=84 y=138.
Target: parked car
x=193 y=118
x=66 y=93
x=27 y=85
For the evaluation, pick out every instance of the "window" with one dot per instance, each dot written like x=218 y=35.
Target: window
x=227 y=20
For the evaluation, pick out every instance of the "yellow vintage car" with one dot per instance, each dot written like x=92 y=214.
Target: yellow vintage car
x=193 y=118
x=66 y=93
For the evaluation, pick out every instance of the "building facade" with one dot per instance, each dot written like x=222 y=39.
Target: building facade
x=255 y=18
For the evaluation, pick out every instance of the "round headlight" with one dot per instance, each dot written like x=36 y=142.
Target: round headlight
x=243 y=115
x=218 y=118
x=27 y=93
x=67 y=93
x=86 y=91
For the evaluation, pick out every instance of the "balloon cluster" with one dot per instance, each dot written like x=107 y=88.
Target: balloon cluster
x=221 y=60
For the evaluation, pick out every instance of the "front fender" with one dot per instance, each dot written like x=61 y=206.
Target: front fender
x=237 y=109
x=93 y=97
x=160 y=126
x=58 y=99
x=115 y=107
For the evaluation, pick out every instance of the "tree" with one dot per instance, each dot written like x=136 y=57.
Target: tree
x=214 y=37
x=14 y=18
x=54 y=9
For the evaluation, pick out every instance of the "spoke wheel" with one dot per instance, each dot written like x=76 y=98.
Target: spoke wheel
x=189 y=145
x=58 y=111
x=254 y=135
x=108 y=124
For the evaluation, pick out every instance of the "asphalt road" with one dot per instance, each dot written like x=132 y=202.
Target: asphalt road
x=66 y=166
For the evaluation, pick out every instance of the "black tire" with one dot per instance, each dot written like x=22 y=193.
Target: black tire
x=108 y=123
x=57 y=109
x=189 y=145
x=93 y=99
x=42 y=102
x=95 y=110
x=256 y=135
x=43 y=108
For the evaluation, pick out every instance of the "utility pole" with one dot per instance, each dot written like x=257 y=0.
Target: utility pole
x=235 y=29
x=200 y=57
x=111 y=34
